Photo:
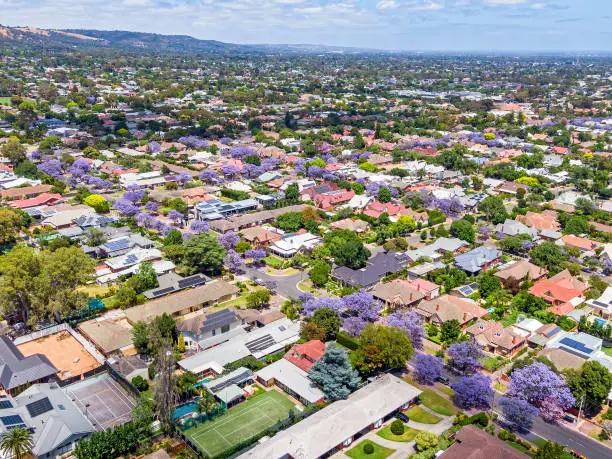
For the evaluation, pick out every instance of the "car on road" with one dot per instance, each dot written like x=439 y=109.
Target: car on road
x=444 y=380
x=402 y=417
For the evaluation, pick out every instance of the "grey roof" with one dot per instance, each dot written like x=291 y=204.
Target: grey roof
x=293 y=378
x=238 y=376
x=95 y=220
x=379 y=266
x=321 y=432
x=230 y=393
x=52 y=416
x=17 y=370
x=474 y=260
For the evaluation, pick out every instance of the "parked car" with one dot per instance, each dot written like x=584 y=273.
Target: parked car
x=402 y=417
x=444 y=380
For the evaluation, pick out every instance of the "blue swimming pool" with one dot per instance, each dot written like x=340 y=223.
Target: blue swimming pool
x=600 y=322
x=183 y=410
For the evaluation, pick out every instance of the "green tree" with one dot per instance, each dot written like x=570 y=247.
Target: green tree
x=382 y=348
x=493 y=208
x=346 y=249
x=550 y=450
x=16 y=443
x=319 y=273
x=450 y=331
x=593 y=381
x=548 y=255
x=257 y=299
x=98 y=202
x=10 y=225
x=174 y=237
x=327 y=320
x=140 y=336
x=289 y=221
x=95 y=237
x=292 y=193
x=577 y=225
x=464 y=230
x=334 y=373
x=202 y=253
x=425 y=440
x=13 y=151
x=207 y=403
x=384 y=195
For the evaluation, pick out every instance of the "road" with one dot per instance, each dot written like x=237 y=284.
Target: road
x=287 y=285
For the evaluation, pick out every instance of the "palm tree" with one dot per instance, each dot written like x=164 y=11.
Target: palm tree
x=16 y=443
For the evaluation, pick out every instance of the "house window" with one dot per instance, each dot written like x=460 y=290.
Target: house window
x=225 y=329
x=214 y=332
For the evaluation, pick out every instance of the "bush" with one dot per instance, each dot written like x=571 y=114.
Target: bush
x=506 y=435
x=480 y=418
x=368 y=448
x=346 y=341
x=140 y=383
x=397 y=427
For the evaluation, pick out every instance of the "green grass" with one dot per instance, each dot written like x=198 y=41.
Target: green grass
x=437 y=403
x=517 y=446
x=447 y=390
x=493 y=363
x=380 y=452
x=240 y=423
x=510 y=319
x=5 y=101
x=408 y=434
x=273 y=262
x=500 y=388
x=418 y=414
x=238 y=301
x=607 y=351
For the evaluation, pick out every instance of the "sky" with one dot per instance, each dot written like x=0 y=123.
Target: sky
x=410 y=25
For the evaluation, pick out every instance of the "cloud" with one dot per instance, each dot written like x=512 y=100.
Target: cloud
x=505 y=2
x=387 y=5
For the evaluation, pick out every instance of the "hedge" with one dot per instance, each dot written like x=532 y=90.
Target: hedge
x=347 y=341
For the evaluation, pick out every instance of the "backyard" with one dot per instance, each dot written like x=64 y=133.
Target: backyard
x=243 y=421
x=380 y=452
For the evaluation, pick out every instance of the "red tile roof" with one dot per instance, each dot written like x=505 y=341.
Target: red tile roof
x=305 y=355
x=44 y=198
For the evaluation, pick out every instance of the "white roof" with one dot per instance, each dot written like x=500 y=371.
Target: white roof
x=292 y=377
x=329 y=427
x=531 y=325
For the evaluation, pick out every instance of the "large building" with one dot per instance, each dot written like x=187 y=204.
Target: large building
x=337 y=425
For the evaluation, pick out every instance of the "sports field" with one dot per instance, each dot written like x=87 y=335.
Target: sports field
x=241 y=422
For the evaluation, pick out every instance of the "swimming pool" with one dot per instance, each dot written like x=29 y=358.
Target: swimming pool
x=184 y=410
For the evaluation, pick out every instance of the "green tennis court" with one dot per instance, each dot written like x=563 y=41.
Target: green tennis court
x=241 y=422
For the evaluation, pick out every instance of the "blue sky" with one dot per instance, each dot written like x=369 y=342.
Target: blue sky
x=419 y=25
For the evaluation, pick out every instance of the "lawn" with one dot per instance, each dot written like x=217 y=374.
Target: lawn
x=408 y=434
x=437 y=403
x=240 y=423
x=517 y=446
x=607 y=351
x=5 y=101
x=447 y=390
x=493 y=363
x=500 y=388
x=94 y=290
x=380 y=452
x=238 y=301
x=418 y=414
x=273 y=262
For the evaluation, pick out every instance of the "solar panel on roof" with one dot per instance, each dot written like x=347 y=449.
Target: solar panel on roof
x=162 y=291
x=577 y=345
x=191 y=281
x=39 y=407
x=119 y=244
x=11 y=420
x=218 y=319
x=16 y=426
x=5 y=404
x=599 y=303
x=260 y=344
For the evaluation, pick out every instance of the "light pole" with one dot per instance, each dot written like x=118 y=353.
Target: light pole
x=580 y=410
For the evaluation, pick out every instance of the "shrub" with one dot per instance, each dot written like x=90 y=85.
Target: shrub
x=480 y=418
x=397 y=427
x=140 y=383
x=368 y=448
x=346 y=341
x=506 y=435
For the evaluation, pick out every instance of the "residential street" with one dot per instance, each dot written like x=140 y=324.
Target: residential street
x=287 y=285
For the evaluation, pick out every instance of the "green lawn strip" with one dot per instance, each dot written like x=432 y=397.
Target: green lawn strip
x=408 y=434
x=447 y=390
x=437 y=403
x=418 y=414
x=241 y=422
x=607 y=351
x=5 y=101
x=273 y=262
x=380 y=452
x=521 y=448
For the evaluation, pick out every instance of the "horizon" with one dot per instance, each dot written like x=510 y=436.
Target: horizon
x=415 y=26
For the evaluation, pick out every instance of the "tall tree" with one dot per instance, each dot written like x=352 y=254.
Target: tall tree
x=16 y=443
x=202 y=253
x=165 y=393
x=333 y=372
x=592 y=381
x=10 y=225
x=382 y=348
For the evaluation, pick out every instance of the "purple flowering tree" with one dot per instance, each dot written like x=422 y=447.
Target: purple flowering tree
x=151 y=206
x=53 y=167
x=143 y=219
x=256 y=254
x=270 y=284
x=464 y=357
x=199 y=227
x=543 y=388
x=251 y=171
x=225 y=140
x=234 y=262
x=230 y=170
x=428 y=368
x=311 y=305
x=133 y=196
x=354 y=325
x=126 y=208
x=362 y=304
x=183 y=178
x=153 y=147
x=373 y=188
x=175 y=216
x=79 y=167
x=305 y=296
x=208 y=176
x=484 y=233
x=473 y=392
x=411 y=323
x=519 y=413
x=228 y=240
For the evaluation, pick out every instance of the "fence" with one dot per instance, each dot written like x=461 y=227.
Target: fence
x=122 y=381
x=87 y=374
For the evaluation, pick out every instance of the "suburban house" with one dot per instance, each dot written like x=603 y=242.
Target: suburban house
x=184 y=302
x=216 y=209
x=240 y=222
x=479 y=259
x=581 y=243
x=203 y=324
x=339 y=424
x=128 y=263
x=399 y=293
x=474 y=443
x=25 y=192
x=513 y=228
x=289 y=245
x=546 y=220
x=380 y=265
x=602 y=305
x=122 y=245
x=44 y=199
x=376 y=209
x=259 y=236
x=18 y=371
x=493 y=337
x=54 y=420
x=437 y=249
x=229 y=388
x=171 y=282
x=258 y=343
x=306 y=354
x=563 y=291
x=291 y=379
x=511 y=187
x=513 y=274
x=111 y=334
x=326 y=195
x=448 y=307
x=356 y=226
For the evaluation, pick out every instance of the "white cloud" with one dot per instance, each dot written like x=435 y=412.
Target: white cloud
x=505 y=2
x=386 y=5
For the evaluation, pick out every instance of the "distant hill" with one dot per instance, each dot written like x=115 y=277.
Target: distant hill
x=63 y=40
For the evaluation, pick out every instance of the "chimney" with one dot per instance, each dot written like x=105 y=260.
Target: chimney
x=437 y=307
x=465 y=316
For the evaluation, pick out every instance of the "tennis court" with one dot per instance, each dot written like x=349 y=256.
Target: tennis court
x=241 y=422
x=102 y=400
